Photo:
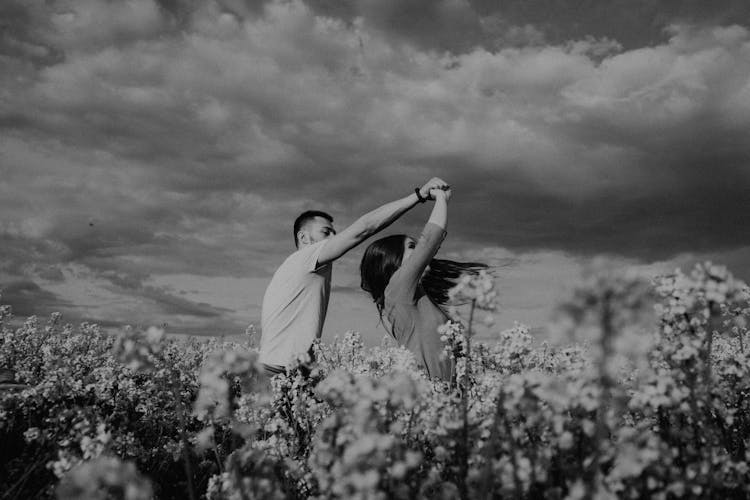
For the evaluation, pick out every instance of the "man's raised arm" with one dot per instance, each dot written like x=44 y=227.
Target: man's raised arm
x=373 y=222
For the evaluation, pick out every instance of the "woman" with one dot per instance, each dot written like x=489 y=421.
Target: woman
x=393 y=272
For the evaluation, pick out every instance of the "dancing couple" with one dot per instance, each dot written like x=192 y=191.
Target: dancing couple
x=408 y=285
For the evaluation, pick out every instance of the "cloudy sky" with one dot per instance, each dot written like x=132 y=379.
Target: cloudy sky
x=154 y=153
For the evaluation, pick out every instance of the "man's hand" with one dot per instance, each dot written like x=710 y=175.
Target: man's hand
x=434 y=183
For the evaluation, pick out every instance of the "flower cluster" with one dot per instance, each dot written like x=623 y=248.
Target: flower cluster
x=219 y=370
x=626 y=404
x=139 y=350
x=359 y=450
x=477 y=288
x=80 y=394
x=456 y=348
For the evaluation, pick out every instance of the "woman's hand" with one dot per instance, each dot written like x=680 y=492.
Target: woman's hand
x=434 y=183
x=438 y=193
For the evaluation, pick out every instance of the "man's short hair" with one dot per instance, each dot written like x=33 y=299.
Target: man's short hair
x=306 y=217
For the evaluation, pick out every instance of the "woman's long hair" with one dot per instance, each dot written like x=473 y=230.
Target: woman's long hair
x=383 y=258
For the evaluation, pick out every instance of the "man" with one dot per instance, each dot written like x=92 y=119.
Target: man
x=296 y=300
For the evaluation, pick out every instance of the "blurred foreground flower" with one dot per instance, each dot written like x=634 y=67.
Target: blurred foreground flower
x=220 y=368
x=359 y=449
x=137 y=349
x=606 y=303
x=102 y=479
x=609 y=304
x=693 y=309
x=477 y=288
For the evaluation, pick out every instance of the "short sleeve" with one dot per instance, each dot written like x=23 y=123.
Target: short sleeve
x=309 y=256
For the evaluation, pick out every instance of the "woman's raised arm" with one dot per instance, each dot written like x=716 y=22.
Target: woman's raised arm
x=439 y=215
x=411 y=270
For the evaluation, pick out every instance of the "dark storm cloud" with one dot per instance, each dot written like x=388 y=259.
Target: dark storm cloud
x=653 y=226
x=170 y=304
x=323 y=142
x=441 y=25
x=633 y=23
x=684 y=189
x=444 y=25
x=459 y=26
x=132 y=284
x=49 y=273
x=27 y=298
x=120 y=277
x=18 y=251
x=21 y=27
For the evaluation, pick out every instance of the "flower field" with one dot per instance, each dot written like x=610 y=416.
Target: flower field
x=643 y=392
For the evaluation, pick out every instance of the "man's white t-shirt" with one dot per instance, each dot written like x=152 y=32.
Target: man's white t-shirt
x=295 y=306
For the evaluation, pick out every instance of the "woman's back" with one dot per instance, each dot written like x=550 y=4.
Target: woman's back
x=415 y=325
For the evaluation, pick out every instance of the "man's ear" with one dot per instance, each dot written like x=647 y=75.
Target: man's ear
x=303 y=237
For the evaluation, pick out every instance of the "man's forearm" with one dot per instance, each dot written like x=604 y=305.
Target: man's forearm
x=383 y=216
x=374 y=221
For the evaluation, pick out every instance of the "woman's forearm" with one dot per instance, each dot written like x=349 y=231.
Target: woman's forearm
x=439 y=214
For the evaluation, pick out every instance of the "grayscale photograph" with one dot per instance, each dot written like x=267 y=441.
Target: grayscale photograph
x=374 y=249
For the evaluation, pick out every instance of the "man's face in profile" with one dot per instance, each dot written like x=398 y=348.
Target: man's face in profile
x=318 y=229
